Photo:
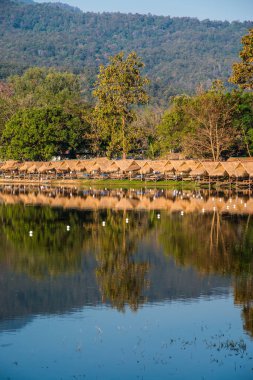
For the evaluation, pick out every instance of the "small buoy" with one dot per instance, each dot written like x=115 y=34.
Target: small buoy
x=182 y=213
x=203 y=210
x=127 y=220
x=68 y=228
x=30 y=233
x=158 y=216
x=103 y=223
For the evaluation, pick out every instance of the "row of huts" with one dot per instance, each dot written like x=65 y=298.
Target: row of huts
x=102 y=167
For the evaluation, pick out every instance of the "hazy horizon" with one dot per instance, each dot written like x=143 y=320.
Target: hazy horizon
x=230 y=10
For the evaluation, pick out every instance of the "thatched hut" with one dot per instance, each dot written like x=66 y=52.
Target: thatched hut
x=25 y=166
x=204 y=169
x=181 y=167
x=123 y=166
x=46 y=168
x=248 y=166
x=33 y=169
x=10 y=167
x=99 y=166
x=235 y=169
x=158 y=166
x=218 y=171
x=240 y=159
x=146 y=167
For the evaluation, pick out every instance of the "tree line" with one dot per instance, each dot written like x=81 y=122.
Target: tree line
x=43 y=113
x=178 y=52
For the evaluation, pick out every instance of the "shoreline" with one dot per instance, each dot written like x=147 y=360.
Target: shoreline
x=189 y=185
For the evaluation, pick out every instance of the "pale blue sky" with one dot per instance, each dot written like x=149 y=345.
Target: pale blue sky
x=212 y=9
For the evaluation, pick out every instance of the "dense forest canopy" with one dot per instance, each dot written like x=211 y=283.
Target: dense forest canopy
x=178 y=53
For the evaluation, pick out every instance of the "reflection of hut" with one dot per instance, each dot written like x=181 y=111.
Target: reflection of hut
x=124 y=204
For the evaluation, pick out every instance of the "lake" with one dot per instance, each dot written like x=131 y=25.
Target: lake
x=125 y=284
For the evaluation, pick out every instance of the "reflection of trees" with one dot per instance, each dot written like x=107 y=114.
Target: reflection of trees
x=243 y=294
x=212 y=244
x=218 y=245
x=51 y=250
x=121 y=277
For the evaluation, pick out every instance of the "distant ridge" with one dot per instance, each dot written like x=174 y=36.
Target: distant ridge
x=25 y=1
x=179 y=53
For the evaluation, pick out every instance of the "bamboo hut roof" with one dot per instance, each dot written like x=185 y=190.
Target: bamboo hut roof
x=192 y=163
x=218 y=171
x=76 y=165
x=84 y=165
x=230 y=167
x=123 y=166
x=46 y=167
x=248 y=167
x=169 y=167
x=159 y=165
x=10 y=165
x=141 y=163
x=240 y=170
x=100 y=166
x=182 y=168
x=146 y=167
x=199 y=170
x=96 y=167
x=57 y=165
x=102 y=160
x=209 y=166
x=25 y=166
x=177 y=163
x=34 y=167
x=241 y=159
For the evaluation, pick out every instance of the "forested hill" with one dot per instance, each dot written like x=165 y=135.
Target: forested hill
x=179 y=53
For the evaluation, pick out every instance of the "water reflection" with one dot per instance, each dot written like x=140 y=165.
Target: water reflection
x=108 y=249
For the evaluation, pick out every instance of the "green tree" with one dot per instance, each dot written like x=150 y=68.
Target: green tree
x=171 y=129
x=119 y=87
x=243 y=71
x=43 y=87
x=202 y=125
x=40 y=133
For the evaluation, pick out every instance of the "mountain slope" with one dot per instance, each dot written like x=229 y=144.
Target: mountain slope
x=179 y=53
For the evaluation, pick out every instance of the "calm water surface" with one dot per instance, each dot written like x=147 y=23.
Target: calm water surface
x=125 y=284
